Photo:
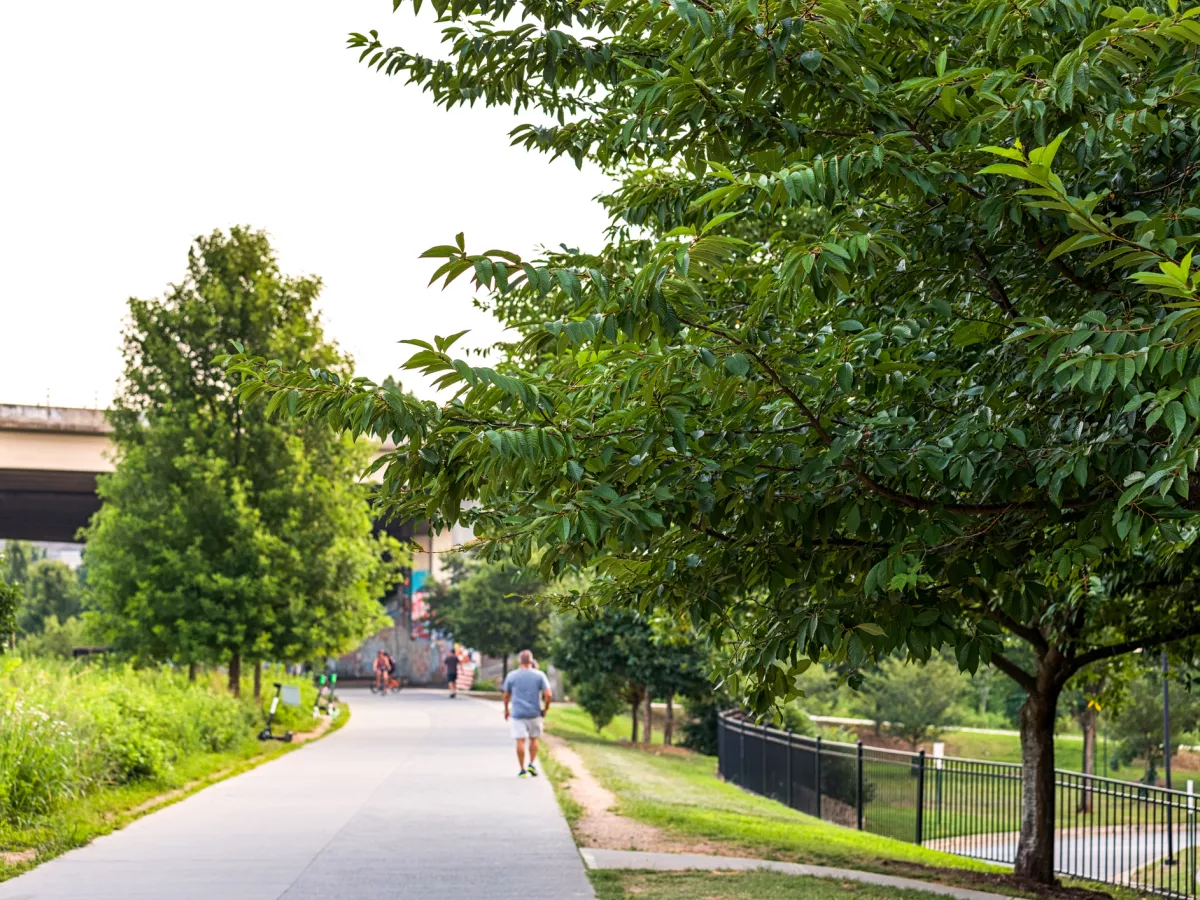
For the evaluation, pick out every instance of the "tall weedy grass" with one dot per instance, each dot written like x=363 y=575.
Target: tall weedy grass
x=70 y=728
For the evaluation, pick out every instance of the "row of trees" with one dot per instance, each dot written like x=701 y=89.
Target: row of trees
x=892 y=347
x=619 y=659
x=614 y=659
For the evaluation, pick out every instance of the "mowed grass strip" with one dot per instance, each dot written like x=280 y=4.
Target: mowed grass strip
x=620 y=885
x=680 y=793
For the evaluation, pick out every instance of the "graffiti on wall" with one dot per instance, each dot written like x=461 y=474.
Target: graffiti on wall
x=418 y=658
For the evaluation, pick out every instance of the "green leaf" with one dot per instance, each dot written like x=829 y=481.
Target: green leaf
x=737 y=364
x=845 y=377
x=1174 y=417
x=811 y=59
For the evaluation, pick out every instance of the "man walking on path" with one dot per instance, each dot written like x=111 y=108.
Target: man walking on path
x=451 y=663
x=525 y=688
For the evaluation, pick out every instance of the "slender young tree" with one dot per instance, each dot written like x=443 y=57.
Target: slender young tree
x=224 y=538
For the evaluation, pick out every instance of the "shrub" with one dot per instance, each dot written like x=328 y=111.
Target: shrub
x=38 y=761
x=67 y=728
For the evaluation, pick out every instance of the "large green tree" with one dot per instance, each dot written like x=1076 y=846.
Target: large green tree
x=890 y=348
x=224 y=537
x=614 y=655
x=493 y=608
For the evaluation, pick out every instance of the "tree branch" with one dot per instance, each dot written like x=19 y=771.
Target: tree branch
x=1013 y=671
x=1027 y=633
x=1192 y=629
x=998 y=294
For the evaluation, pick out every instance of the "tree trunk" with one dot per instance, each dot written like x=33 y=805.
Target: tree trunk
x=669 y=727
x=191 y=671
x=1035 y=848
x=258 y=680
x=1087 y=720
x=235 y=674
x=649 y=735
x=505 y=669
x=635 y=706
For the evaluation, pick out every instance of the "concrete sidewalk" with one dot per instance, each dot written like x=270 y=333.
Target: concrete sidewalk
x=416 y=797
x=681 y=862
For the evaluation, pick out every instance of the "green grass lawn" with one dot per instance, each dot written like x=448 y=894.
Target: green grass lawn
x=619 y=885
x=1068 y=754
x=681 y=794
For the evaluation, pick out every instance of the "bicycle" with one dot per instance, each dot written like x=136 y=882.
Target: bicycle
x=390 y=686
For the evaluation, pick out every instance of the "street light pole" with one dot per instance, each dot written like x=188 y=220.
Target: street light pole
x=1170 y=860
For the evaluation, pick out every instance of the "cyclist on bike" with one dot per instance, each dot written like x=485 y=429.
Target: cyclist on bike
x=382 y=672
x=391 y=671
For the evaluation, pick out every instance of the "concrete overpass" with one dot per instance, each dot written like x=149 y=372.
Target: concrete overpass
x=50 y=458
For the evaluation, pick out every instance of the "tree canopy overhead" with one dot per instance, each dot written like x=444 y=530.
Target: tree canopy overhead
x=890 y=348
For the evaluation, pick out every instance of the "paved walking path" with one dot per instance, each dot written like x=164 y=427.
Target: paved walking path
x=677 y=862
x=416 y=797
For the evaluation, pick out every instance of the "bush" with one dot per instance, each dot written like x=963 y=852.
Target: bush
x=55 y=639
x=700 y=724
x=67 y=728
x=600 y=699
x=38 y=761
x=485 y=684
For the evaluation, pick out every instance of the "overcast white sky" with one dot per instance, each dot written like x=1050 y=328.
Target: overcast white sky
x=131 y=126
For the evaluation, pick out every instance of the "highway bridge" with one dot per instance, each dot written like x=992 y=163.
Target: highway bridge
x=50 y=458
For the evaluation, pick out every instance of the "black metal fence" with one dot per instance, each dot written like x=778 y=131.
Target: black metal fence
x=1108 y=831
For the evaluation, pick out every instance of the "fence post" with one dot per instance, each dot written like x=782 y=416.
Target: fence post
x=921 y=796
x=764 y=731
x=859 y=791
x=818 y=778
x=742 y=754
x=789 y=768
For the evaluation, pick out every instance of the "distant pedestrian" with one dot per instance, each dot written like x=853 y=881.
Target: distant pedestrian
x=526 y=689
x=451 y=663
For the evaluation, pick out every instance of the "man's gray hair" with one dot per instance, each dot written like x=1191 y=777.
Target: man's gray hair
x=526 y=657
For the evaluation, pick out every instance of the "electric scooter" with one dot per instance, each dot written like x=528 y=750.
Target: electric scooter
x=320 y=694
x=265 y=734
x=331 y=707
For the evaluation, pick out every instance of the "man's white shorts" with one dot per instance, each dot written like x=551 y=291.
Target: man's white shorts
x=526 y=728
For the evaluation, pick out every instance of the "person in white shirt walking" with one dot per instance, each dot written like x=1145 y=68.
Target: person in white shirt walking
x=525 y=690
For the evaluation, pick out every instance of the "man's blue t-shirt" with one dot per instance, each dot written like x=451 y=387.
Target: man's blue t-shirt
x=526 y=686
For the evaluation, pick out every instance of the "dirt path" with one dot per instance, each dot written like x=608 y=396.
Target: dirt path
x=601 y=827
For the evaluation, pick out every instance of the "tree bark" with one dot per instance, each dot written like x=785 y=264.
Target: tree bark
x=669 y=727
x=505 y=667
x=258 y=680
x=235 y=674
x=191 y=672
x=649 y=735
x=1087 y=721
x=1035 y=847
x=635 y=707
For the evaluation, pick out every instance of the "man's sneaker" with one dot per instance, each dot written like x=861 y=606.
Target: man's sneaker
x=522 y=774
x=533 y=770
